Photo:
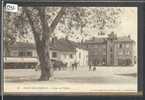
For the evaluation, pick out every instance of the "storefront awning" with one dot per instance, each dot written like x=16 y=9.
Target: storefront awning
x=20 y=60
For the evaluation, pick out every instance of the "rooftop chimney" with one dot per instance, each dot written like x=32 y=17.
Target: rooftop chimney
x=129 y=36
x=53 y=40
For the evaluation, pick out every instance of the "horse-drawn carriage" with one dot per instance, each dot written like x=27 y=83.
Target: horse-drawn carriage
x=56 y=64
x=59 y=65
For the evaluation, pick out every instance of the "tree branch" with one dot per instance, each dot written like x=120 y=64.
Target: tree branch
x=57 y=18
x=44 y=24
x=35 y=33
x=36 y=37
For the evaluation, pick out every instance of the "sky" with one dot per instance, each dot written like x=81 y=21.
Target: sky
x=128 y=26
x=129 y=23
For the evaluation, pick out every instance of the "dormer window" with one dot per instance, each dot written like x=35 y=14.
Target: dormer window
x=29 y=54
x=54 y=54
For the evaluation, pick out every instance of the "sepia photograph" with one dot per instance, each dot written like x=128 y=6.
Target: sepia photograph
x=57 y=49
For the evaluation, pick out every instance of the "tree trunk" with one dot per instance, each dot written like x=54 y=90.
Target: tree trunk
x=42 y=40
x=44 y=48
x=45 y=62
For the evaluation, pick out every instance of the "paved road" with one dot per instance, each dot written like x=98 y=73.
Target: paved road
x=104 y=78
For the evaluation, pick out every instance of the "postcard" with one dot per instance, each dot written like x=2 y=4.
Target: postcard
x=58 y=49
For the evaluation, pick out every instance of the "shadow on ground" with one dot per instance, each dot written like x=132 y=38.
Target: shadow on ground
x=131 y=74
x=90 y=80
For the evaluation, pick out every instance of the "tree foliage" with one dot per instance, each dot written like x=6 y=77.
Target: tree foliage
x=10 y=32
x=43 y=22
x=74 y=19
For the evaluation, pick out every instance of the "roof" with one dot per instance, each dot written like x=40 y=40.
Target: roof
x=124 y=39
x=103 y=40
x=96 y=40
x=61 y=45
x=23 y=45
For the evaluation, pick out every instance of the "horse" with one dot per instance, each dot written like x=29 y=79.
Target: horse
x=59 y=65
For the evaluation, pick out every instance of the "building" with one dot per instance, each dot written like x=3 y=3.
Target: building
x=23 y=54
x=112 y=50
x=81 y=54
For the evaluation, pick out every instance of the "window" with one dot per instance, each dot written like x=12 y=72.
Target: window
x=120 y=46
x=54 y=54
x=21 y=53
x=111 y=56
x=71 y=56
x=14 y=53
x=135 y=60
x=111 y=49
x=29 y=54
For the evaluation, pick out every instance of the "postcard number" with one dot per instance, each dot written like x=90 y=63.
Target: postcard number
x=11 y=7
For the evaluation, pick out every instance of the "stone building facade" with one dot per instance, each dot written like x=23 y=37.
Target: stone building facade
x=112 y=50
x=24 y=55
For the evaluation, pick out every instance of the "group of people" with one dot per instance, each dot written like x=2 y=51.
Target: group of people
x=59 y=65
x=92 y=66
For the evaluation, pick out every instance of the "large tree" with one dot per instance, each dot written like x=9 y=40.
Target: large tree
x=43 y=21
